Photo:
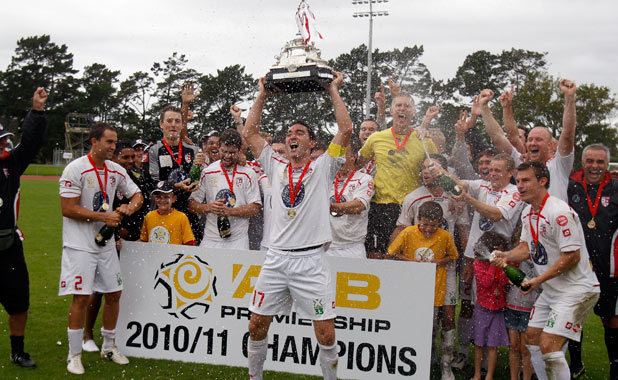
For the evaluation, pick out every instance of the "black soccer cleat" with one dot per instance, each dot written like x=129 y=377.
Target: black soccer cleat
x=23 y=360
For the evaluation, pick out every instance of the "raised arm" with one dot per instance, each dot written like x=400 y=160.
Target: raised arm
x=510 y=125
x=235 y=111
x=33 y=134
x=491 y=125
x=187 y=96
x=460 y=157
x=380 y=98
x=342 y=117
x=430 y=114
x=567 y=137
x=254 y=119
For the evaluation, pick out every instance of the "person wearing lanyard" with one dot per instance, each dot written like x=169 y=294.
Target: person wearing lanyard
x=227 y=190
x=552 y=236
x=594 y=196
x=351 y=192
x=295 y=271
x=88 y=186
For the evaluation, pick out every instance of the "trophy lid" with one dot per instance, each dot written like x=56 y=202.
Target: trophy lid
x=297 y=53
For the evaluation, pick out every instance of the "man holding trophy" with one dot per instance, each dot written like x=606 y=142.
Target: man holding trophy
x=295 y=270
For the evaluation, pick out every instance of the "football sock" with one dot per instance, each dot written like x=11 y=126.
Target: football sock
x=611 y=342
x=75 y=341
x=557 y=366
x=328 y=361
x=256 y=352
x=109 y=338
x=536 y=358
x=17 y=344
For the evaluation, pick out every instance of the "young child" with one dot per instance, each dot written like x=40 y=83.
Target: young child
x=166 y=225
x=488 y=317
x=427 y=242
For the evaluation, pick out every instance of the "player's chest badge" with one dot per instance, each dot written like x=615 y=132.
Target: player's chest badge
x=605 y=201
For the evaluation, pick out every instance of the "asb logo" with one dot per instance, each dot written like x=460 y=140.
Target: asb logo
x=185 y=286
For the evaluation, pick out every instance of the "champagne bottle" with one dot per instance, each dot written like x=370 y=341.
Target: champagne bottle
x=515 y=275
x=195 y=172
x=448 y=184
x=224 y=227
x=105 y=233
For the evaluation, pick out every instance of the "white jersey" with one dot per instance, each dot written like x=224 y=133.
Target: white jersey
x=507 y=201
x=559 y=171
x=266 y=191
x=559 y=230
x=79 y=179
x=214 y=185
x=348 y=228
x=413 y=201
x=306 y=222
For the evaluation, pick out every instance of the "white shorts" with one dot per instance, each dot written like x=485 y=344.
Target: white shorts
x=85 y=272
x=352 y=250
x=240 y=243
x=563 y=315
x=451 y=285
x=302 y=281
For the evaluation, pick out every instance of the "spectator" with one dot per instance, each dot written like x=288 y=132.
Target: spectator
x=166 y=225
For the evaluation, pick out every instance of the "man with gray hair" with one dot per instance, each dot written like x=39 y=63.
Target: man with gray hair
x=594 y=196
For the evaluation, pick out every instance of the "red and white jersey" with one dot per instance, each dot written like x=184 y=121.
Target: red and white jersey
x=413 y=201
x=369 y=168
x=266 y=191
x=257 y=168
x=79 y=179
x=214 y=185
x=506 y=200
x=560 y=169
x=348 y=228
x=306 y=223
x=559 y=230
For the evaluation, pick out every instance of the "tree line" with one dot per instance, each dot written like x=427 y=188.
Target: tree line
x=133 y=104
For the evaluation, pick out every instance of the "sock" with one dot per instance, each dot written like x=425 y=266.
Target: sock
x=536 y=358
x=17 y=344
x=256 y=352
x=328 y=361
x=575 y=353
x=109 y=338
x=556 y=366
x=611 y=342
x=464 y=335
x=75 y=341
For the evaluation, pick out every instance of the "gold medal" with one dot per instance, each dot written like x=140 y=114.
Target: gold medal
x=105 y=206
x=592 y=224
x=291 y=212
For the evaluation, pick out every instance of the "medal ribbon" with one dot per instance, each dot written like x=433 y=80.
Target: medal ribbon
x=594 y=208
x=295 y=188
x=535 y=236
x=404 y=142
x=227 y=178
x=102 y=186
x=345 y=184
x=169 y=150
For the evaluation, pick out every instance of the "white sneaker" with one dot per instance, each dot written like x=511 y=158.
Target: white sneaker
x=460 y=361
x=90 y=346
x=74 y=364
x=114 y=355
x=447 y=373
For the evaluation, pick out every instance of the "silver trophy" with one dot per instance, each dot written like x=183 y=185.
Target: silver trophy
x=299 y=67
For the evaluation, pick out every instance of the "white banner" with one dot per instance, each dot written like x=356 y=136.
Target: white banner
x=191 y=304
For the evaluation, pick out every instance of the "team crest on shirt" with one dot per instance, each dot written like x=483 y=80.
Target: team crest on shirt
x=97 y=201
x=90 y=182
x=485 y=224
x=228 y=197
x=562 y=220
x=285 y=196
x=605 y=201
x=6 y=172
x=575 y=198
x=543 y=230
x=113 y=181
x=185 y=287
x=538 y=254
x=188 y=158
x=160 y=235
x=239 y=181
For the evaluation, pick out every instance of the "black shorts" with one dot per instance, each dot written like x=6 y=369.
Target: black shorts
x=14 y=283
x=382 y=221
x=607 y=305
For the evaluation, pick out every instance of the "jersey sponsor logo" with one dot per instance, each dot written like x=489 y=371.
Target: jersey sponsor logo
x=575 y=327
x=90 y=182
x=516 y=196
x=113 y=181
x=227 y=196
x=566 y=232
x=97 y=201
x=538 y=254
x=543 y=229
x=159 y=234
x=68 y=184
x=562 y=220
x=485 y=224
x=185 y=287
x=605 y=201
x=575 y=198
x=285 y=196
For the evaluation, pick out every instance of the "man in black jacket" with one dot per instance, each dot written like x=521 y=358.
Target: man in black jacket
x=14 y=284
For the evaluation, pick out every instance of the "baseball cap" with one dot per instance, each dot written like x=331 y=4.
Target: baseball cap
x=4 y=132
x=163 y=187
x=138 y=142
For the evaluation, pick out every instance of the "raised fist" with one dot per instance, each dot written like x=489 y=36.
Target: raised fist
x=506 y=99
x=38 y=99
x=485 y=96
x=567 y=87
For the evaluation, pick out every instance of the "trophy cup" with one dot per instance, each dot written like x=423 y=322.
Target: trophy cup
x=299 y=67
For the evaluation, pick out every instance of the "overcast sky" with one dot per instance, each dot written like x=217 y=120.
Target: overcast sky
x=581 y=37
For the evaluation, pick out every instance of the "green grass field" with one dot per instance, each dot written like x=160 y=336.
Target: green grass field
x=41 y=221
x=36 y=169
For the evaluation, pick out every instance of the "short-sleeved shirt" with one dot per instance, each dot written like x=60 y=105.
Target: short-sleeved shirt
x=506 y=200
x=214 y=185
x=559 y=230
x=79 y=179
x=172 y=228
x=305 y=223
x=413 y=201
x=352 y=228
x=397 y=172
x=559 y=171
x=413 y=245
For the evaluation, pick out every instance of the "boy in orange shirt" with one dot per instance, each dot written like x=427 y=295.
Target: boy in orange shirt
x=428 y=242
